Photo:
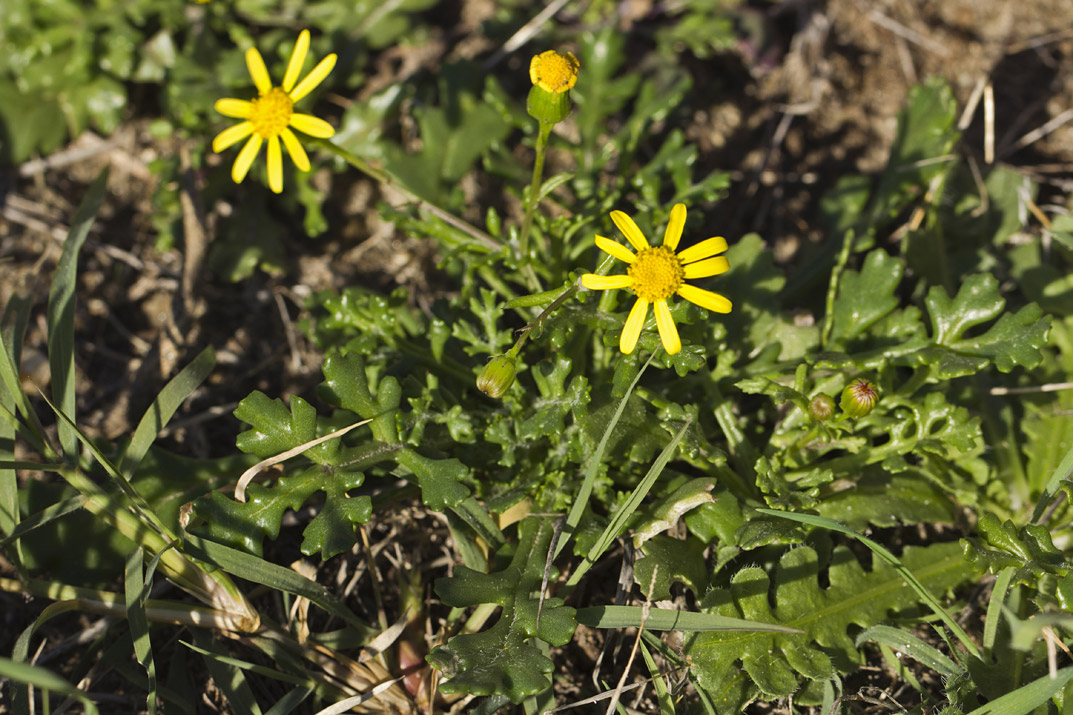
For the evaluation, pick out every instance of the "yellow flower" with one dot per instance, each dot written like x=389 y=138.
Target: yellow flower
x=270 y=116
x=553 y=71
x=655 y=273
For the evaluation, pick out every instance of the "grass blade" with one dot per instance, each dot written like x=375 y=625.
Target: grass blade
x=136 y=594
x=286 y=704
x=623 y=515
x=582 y=499
x=39 y=677
x=1028 y=697
x=670 y=619
x=907 y=643
x=263 y=572
x=164 y=406
x=43 y=517
x=12 y=328
x=994 y=607
x=663 y=694
x=61 y=312
x=20 y=692
x=1061 y=473
x=252 y=667
x=229 y=679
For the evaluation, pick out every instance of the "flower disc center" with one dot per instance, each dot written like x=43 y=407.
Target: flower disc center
x=553 y=71
x=271 y=113
x=657 y=273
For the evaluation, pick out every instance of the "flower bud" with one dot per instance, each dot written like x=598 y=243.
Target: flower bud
x=497 y=376
x=553 y=74
x=821 y=407
x=859 y=397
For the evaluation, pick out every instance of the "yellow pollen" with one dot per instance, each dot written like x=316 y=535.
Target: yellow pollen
x=271 y=113
x=657 y=274
x=554 y=72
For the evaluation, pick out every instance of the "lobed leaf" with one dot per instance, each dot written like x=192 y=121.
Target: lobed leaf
x=500 y=660
x=1028 y=549
x=867 y=296
x=244 y=525
x=777 y=664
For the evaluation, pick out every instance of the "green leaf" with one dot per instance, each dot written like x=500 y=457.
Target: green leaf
x=274 y=428
x=882 y=499
x=244 y=525
x=440 y=479
x=31 y=122
x=777 y=663
x=666 y=513
x=922 y=592
x=453 y=137
x=61 y=312
x=500 y=661
x=1013 y=340
x=557 y=399
x=867 y=296
x=620 y=519
x=925 y=131
x=752 y=273
x=718 y=520
x=1027 y=549
x=12 y=399
x=667 y=560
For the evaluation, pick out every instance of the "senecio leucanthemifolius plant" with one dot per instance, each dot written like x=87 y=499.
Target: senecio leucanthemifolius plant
x=747 y=446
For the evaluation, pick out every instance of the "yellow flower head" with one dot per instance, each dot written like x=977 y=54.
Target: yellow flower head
x=270 y=116
x=655 y=273
x=553 y=71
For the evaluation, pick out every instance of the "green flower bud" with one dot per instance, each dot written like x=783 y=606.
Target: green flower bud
x=553 y=74
x=548 y=107
x=859 y=397
x=497 y=376
x=821 y=407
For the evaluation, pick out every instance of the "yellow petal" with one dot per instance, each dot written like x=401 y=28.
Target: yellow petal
x=275 y=165
x=615 y=248
x=668 y=333
x=236 y=108
x=231 y=135
x=294 y=148
x=258 y=71
x=313 y=126
x=298 y=58
x=307 y=85
x=595 y=282
x=707 y=267
x=673 y=233
x=629 y=230
x=632 y=329
x=704 y=249
x=705 y=299
x=245 y=158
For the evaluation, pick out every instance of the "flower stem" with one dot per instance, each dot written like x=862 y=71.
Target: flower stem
x=534 y=188
x=566 y=295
